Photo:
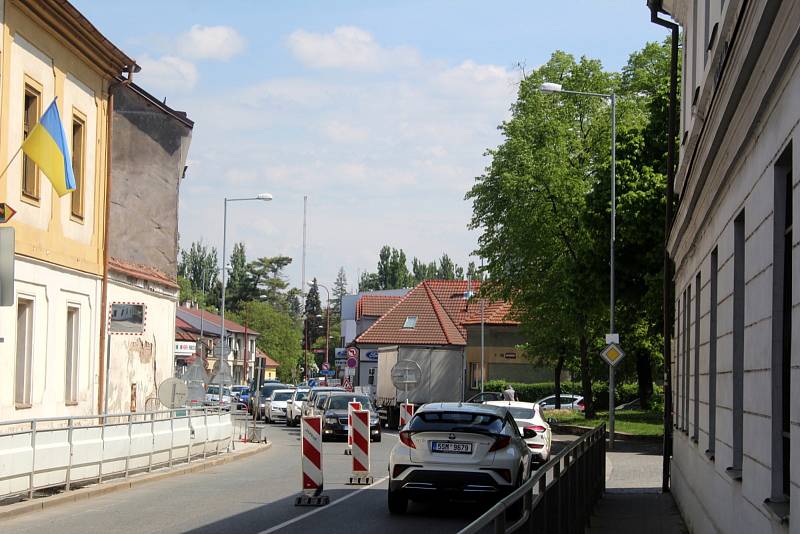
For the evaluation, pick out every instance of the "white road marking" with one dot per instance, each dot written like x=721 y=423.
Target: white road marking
x=322 y=508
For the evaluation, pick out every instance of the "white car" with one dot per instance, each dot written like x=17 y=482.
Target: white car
x=294 y=406
x=212 y=396
x=275 y=405
x=457 y=450
x=528 y=417
x=568 y=402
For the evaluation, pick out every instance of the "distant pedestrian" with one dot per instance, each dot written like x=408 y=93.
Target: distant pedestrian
x=509 y=394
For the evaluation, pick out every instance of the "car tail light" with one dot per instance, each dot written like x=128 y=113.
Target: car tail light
x=500 y=443
x=405 y=438
x=535 y=445
x=398 y=469
x=537 y=428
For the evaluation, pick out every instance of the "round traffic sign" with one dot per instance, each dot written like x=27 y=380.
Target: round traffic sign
x=406 y=375
x=352 y=352
x=325 y=366
x=352 y=362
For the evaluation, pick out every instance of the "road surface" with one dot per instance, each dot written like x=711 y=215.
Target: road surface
x=252 y=495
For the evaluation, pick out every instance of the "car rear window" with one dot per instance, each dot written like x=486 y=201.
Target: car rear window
x=456 y=422
x=521 y=413
x=339 y=402
x=301 y=395
x=286 y=395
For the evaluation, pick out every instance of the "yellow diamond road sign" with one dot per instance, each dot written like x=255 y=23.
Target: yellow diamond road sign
x=612 y=354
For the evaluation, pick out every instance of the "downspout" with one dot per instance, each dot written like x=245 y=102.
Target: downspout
x=655 y=7
x=104 y=288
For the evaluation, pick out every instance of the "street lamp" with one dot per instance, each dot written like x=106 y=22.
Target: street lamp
x=328 y=319
x=549 y=87
x=266 y=197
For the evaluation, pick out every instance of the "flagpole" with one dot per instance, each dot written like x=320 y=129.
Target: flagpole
x=11 y=161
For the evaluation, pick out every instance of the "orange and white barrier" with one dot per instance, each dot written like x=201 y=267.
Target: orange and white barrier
x=311 y=451
x=360 y=448
x=406 y=412
x=352 y=405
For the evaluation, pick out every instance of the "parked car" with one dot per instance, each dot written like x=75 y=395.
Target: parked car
x=318 y=408
x=334 y=424
x=460 y=450
x=241 y=394
x=486 y=396
x=308 y=406
x=275 y=405
x=568 y=402
x=294 y=406
x=528 y=417
x=212 y=396
x=265 y=393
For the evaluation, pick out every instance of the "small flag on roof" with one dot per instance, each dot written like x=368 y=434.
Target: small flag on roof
x=47 y=146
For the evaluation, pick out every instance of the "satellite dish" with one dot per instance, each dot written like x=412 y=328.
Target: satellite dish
x=173 y=393
x=406 y=375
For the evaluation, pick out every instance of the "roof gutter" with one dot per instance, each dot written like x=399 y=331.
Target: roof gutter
x=667 y=290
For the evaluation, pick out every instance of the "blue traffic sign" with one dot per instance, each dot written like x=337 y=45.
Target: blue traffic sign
x=328 y=372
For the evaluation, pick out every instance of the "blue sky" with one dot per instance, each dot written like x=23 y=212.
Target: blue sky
x=380 y=112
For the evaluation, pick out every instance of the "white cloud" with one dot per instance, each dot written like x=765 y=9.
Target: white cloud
x=344 y=132
x=350 y=48
x=167 y=74
x=210 y=42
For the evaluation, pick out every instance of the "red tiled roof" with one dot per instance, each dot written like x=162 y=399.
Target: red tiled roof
x=268 y=362
x=183 y=335
x=442 y=313
x=141 y=271
x=375 y=305
x=215 y=319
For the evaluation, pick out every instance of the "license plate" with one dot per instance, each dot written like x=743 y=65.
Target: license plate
x=451 y=447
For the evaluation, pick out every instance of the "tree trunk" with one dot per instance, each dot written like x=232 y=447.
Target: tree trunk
x=644 y=374
x=586 y=379
x=557 y=380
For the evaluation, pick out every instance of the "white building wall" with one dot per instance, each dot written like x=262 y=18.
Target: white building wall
x=145 y=360
x=52 y=290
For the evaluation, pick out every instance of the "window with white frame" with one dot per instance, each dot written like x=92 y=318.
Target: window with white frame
x=24 y=361
x=72 y=355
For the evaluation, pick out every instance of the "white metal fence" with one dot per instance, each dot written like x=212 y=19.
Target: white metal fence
x=63 y=451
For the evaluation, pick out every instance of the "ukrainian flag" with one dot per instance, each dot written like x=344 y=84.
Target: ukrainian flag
x=46 y=145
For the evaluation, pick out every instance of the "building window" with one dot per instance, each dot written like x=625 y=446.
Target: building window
x=712 y=355
x=78 y=144
x=72 y=355
x=475 y=375
x=31 y=112
x=678 y=355
x=371 y=376
x=411 y=321
x=737 y=422
x=24 y=363
x=696 y=414
x=687 y=357
x=782 y=327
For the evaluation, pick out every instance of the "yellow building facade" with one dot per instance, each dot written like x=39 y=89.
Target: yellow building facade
x=50 y=354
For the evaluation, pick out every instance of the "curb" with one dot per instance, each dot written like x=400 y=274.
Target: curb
x=620 y=436
x=13 y=510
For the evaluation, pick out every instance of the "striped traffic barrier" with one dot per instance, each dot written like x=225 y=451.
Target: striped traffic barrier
x=406 y=411
x=360 y=448
x=311 y=463
x=352 y=405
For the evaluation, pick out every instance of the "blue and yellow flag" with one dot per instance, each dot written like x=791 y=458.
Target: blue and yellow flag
x=46 y=145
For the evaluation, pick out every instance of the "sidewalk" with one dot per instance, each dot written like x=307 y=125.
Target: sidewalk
x=633 y=501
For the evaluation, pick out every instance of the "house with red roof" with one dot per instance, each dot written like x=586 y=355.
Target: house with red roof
x=445 y=314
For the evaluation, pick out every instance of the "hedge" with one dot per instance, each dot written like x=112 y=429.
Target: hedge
x=533 y=392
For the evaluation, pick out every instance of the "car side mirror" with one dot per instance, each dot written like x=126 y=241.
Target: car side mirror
x=528 y=433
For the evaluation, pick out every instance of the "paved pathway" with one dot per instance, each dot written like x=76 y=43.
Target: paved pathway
x=633 y=502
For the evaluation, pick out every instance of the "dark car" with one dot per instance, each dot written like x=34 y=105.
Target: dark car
x=334 y=423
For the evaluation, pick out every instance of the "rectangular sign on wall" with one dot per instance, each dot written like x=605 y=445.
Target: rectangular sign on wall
x=126 y=318
x=6 y=266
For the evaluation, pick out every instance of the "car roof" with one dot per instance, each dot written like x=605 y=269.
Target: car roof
x=346 y=394
x=327 y=388
x=488 y=409
x=512 y=404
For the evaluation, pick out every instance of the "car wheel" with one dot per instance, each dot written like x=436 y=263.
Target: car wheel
x=398 y=502
x=377 y=439
x=516 y=510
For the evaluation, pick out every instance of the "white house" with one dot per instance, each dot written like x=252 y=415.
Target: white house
x=736 y=404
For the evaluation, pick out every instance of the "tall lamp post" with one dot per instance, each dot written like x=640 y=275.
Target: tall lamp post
x=548 y=87
x=328 y=317
x=265 y=197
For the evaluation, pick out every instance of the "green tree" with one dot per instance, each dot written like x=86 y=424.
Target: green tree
x=339 y=291
x=240 y=286
x=423 y=271
x=530 y=207
x=314 y=319
x=279 y=334
x=197 y=273
x=271 y=285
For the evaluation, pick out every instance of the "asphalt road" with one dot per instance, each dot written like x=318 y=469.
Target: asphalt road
x=252 y=495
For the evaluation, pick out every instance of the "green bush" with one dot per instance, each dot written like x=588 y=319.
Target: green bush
x=624 y=392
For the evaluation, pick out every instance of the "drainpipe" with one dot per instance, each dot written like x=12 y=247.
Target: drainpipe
x=655 y=8
x=103 y=379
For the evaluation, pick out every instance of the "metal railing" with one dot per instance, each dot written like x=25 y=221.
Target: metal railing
x=558 y=498
x=37 y=454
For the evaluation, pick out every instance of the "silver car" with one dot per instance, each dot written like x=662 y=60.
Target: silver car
x=457 y=450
